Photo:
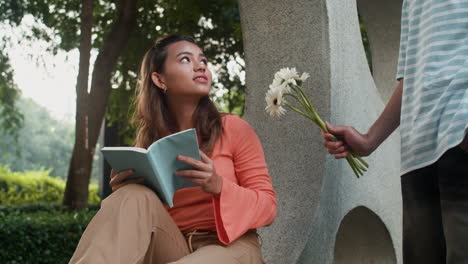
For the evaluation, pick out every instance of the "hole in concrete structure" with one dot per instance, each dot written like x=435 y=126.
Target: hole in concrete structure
x=365 y=41
x=363 y=238
x=380 y=31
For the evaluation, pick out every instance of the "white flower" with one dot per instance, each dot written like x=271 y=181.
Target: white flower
x=274 y=99
x=304 y=76
x=279 y=84
x=289 y=77
x=277 y=81
x=287 y=74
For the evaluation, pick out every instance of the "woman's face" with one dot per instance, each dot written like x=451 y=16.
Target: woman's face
x=185 y=71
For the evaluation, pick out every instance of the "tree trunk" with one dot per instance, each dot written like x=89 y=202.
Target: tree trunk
x=81 y=152
x=90 y=107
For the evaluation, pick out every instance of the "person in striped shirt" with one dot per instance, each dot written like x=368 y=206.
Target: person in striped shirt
x=430 y=104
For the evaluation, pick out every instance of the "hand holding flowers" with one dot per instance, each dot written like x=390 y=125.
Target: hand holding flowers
x=288 y=83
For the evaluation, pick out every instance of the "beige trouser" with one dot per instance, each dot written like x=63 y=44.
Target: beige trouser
x=133 y=226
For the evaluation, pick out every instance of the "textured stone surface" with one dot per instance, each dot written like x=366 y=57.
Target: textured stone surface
x=315 y=192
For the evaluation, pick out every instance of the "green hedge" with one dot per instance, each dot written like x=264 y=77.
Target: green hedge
x=40 y=234
x=21 y=188
x=34 y=227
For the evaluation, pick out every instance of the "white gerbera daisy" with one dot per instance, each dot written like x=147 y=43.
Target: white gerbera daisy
x=287 y=74
x=304 y=76
x=274 y=99
x=280 y=85
x=287 y=82
x=277 y=81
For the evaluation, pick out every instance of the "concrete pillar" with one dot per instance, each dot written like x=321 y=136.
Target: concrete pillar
x=320 y=201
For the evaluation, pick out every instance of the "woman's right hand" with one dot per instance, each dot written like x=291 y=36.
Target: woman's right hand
x=118 y=180
x=348 y=139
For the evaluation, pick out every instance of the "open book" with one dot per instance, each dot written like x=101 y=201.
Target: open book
x=158 y=163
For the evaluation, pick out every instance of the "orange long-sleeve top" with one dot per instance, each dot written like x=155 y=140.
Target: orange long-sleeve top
x=247 y=198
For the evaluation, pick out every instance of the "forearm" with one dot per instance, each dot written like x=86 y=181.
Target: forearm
x=388 y=121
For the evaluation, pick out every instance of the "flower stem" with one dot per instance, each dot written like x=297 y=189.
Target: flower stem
x=357 y=164
x=297 y=99
x=363 y=162
x=352 y=166
x=309 y=107
x=302 y=94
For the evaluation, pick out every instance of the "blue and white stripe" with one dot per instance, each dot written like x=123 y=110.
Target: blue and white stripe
x=433 y=63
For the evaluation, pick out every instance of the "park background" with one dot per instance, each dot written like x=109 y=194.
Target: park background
x=53 y=104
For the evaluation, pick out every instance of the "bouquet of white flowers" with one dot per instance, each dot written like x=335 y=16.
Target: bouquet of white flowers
x=288 y=83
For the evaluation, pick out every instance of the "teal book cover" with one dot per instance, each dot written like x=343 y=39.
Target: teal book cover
x=158 y=163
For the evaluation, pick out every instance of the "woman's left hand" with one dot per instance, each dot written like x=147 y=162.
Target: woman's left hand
x=205 y=176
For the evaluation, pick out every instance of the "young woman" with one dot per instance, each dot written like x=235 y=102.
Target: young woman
x=212 y=223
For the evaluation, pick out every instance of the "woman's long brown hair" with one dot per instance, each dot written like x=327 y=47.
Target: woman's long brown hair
x=152 y=117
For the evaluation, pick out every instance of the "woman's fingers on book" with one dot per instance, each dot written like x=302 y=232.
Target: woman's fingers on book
x=192 y=174
x=119 y=177
x=199 y=182
x=205 y=177
x=132 y=181
x=205 y=157
x=195 y=163
x=210 y=182
x=113 y=173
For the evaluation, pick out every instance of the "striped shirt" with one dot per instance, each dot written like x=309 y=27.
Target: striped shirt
x=433 y=63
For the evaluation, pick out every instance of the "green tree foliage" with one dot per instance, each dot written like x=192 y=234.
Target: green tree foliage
x=12 y=11
x=215 y=24
x=10 y=116
x=43 y=142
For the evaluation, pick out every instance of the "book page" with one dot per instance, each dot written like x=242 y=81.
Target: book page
x=165 y=154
